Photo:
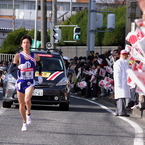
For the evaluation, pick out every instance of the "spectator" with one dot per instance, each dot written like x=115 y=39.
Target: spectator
x=122 y=90
x=94 y=81
x=116 y=54
x=66 y=63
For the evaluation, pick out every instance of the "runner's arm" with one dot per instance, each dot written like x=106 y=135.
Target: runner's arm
x=39 y=64
x=14 y=64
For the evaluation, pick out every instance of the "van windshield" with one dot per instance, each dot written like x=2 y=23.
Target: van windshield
x=51 y=64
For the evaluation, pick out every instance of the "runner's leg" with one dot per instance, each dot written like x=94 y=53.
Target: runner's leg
x=21 y=101
x=28 y=96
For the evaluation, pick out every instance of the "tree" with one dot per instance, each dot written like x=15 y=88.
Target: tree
x=12 y=41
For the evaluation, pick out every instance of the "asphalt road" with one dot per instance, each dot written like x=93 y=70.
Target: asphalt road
x=86 y=123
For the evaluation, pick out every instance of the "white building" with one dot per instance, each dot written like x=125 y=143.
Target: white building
x=15 y=14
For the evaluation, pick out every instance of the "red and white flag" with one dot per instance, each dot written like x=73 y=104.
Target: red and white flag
x=136 y=53
x=138 y=78
x=130 y=82
x=141 y=67
x=101 y=83
x=132 y=37
x=102 y=72
x=99 y=60
x=139 y=33
x=140 y=24
x=128 y=48
x=134 y=66
x=109 y=69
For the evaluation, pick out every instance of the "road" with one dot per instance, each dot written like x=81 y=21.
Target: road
x=86 y=123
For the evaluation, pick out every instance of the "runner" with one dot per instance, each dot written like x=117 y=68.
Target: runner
x=26 y=62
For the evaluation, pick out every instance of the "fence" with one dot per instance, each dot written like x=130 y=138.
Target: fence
x=6 y=57
x=69 y=51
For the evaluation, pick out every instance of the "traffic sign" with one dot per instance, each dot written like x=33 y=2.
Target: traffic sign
x=48 y=45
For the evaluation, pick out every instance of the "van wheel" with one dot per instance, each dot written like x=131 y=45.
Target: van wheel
x=6 y=104
x=64 y=106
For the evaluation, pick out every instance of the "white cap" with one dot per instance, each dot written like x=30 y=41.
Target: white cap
x=123 y=52
x=65 y=58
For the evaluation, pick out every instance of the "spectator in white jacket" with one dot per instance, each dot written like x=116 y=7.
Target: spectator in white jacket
x=121 y=88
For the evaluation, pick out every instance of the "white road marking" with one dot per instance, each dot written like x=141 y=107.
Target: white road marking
x=138 y=140
x=2 y=110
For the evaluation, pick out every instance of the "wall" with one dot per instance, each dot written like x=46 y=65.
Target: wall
x=69 y=51
x=72 y=51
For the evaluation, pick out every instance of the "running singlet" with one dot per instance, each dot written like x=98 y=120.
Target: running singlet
x=26 y=74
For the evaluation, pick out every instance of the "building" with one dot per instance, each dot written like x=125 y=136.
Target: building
x=15 y=14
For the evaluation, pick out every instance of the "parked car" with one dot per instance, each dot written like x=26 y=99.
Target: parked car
x=55 y=88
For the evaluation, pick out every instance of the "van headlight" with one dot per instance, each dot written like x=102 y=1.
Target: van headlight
x=11 y=79
x=63 y=81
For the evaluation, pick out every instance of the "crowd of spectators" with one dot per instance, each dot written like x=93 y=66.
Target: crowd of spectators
x=92 y=77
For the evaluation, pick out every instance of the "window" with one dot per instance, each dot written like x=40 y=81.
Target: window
x=17 y=7
x=3 y=6
x=10 y=6
x=51 y=64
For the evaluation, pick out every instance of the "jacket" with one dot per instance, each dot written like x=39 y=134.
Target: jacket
x=121 y=88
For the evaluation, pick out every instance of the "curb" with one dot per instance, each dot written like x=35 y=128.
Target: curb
x=135 y=112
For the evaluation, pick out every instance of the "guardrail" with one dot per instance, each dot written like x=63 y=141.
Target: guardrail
x=6 y=57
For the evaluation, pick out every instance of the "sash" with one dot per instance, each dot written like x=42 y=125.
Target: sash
x=28 y=56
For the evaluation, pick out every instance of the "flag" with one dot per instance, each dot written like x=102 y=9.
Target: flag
x=82 y=84
x=102 y=72
x=139 y=33
x=128 y=48
x=141 y=67
x=138 y=78
x=132 y=37
x=99 y=60
x=101 y=83
x=109 y=69
x=136 y=53
x=130 y=82
x=134 y=66
x=109 y=63
x=139 y=23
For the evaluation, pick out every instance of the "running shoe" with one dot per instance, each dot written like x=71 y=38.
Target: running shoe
x=29 y=120
x=24 y=127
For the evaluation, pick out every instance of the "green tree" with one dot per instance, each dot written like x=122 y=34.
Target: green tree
x=117 y=36
x=12 y=41
x=31 y=33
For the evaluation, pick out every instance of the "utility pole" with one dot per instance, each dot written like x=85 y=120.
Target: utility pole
x=53 y=22
x=36 y=15
x=132 y=12
x=70 y=7
x=91 y=27
x=13 y=20
x=43 y=24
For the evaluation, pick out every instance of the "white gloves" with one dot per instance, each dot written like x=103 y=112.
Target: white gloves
x=40 y=79
x=22 y=66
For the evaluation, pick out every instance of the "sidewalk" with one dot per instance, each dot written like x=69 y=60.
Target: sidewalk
x=135 y=112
